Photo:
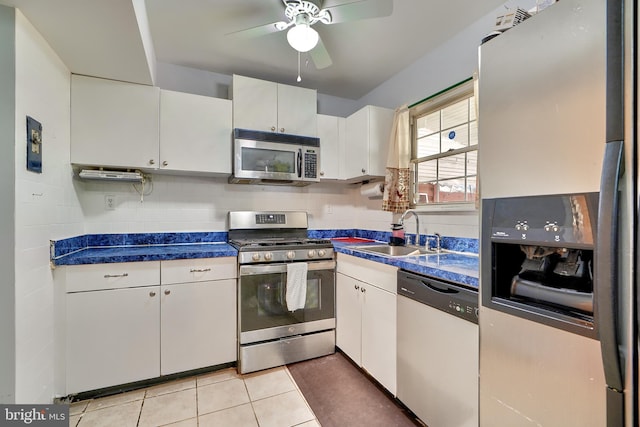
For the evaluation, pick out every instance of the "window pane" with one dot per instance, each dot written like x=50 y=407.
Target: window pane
x=473 y=133
x=428 y=124
x=452 y=167
x=472 y=108
x=472 y=163
x=426 y=180
x=452 y=190
x=455 y=114
x=427 y=171
x=429 y=145
x=455 y=138
x=471 y=188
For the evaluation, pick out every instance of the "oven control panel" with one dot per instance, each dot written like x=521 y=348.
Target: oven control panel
x=251 y=257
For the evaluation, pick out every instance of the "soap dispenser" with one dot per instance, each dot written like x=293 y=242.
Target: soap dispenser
x=397 y=235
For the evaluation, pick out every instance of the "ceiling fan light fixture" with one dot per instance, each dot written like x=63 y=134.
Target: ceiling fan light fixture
x=302 y=37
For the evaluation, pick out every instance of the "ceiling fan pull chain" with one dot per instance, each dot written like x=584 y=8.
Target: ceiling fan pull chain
x=299 y=79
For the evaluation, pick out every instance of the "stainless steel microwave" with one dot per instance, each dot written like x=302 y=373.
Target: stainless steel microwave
x=274 y=158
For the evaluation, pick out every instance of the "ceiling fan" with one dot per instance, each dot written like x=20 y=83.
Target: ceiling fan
x=303 y=14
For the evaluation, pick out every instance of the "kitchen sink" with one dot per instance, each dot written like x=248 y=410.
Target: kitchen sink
x=410 y=250
x=395 y=251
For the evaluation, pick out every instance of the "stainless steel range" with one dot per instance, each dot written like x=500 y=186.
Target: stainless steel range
x=286 y=289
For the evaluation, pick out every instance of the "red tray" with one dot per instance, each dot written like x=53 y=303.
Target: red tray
x=352 y=240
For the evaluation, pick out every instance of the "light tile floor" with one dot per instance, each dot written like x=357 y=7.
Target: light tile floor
x=268 y=398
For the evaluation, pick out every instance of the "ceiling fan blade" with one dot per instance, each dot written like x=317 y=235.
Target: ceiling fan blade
x=261 y=30
x=362 y=9
x=320 y=56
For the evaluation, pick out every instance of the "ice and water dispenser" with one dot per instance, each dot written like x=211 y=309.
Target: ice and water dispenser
x=538 y=258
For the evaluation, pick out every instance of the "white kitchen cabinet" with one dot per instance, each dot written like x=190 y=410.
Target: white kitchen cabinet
x=198 y=320
x=367 y=143
x=114 y=124
x=132 y=321
x=331 y=131
x=195 y=133
x=366 y=316
x=274 y=107
x=112 y=337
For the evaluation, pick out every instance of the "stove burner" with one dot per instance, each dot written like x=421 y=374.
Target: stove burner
x=278 y=242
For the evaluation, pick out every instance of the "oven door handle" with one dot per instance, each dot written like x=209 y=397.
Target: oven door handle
x=247 y=270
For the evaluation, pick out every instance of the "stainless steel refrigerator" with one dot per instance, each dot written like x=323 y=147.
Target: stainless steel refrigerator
x=558 y=179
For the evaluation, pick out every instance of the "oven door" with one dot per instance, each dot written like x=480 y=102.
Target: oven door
x=262 y=308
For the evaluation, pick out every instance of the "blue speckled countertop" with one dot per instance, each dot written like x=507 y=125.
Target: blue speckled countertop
x=109 y=248
x=458 y=268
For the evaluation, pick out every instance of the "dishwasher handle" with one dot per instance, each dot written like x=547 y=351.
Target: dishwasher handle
x=446 y=290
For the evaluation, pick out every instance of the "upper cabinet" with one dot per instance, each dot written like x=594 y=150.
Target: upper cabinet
x=273 y=107
x=331 y=131
x=367 y=143
x=114 y=124
x=195 y=133
x=125 y=125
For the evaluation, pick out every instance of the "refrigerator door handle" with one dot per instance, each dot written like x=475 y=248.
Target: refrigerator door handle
x=606 y=272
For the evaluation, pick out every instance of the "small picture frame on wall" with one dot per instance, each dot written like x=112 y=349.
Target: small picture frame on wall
x=34 y=145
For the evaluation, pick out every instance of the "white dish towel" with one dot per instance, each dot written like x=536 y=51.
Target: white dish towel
x=296 y=285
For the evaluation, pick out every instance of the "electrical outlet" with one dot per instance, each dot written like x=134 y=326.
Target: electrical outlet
x=109 y=202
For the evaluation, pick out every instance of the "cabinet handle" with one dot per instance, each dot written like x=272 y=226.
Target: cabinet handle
x=110 y=276
x=165 y=163
x=273 y=128
x=356 y=287
x=363 y=170
x=281 y=129
x=152 y=294
x=363 y=289
x=199 y=270
x=167 y=292
x=152 y=162
x=321 y=173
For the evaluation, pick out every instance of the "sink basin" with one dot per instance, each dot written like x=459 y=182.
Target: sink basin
x=395 y=251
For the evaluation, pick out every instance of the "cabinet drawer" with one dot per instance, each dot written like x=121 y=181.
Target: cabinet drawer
x=374 y=273
x=198 y=270
x=93 y=277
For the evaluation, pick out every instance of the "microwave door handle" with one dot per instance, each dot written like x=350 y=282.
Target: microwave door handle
x=299 y=162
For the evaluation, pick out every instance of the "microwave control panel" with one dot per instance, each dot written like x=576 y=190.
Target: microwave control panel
x=310 y=164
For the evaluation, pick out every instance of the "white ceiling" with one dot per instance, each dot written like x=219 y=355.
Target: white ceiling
x=103 y=38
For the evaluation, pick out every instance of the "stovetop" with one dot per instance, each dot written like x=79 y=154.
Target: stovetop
x=278 y=243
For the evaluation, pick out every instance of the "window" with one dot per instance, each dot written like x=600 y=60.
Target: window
x=445 y=147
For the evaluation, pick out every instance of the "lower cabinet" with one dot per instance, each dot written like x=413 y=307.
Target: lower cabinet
x=128 y=322
x=366 y=316
x=112 y=337
x=197 y=325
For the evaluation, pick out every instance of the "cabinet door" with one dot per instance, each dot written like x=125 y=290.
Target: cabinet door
x=356 y=159
x=113 y=337
x=255 y=104
x=380 y=123
x=379 y=335
x=348 y=317
x=114 y=124
x=297 y=110
x=198 y=325
x=195 y=133
x=329 y=134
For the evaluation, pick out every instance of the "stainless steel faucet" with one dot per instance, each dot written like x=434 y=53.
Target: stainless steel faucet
x=404 y=215
x=438 y=240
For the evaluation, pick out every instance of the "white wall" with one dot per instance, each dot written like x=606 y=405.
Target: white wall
x=46 y=208
x=7 y=191
x=176 y=203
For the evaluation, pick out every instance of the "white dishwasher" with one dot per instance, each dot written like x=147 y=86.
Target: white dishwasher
x=438 y=350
